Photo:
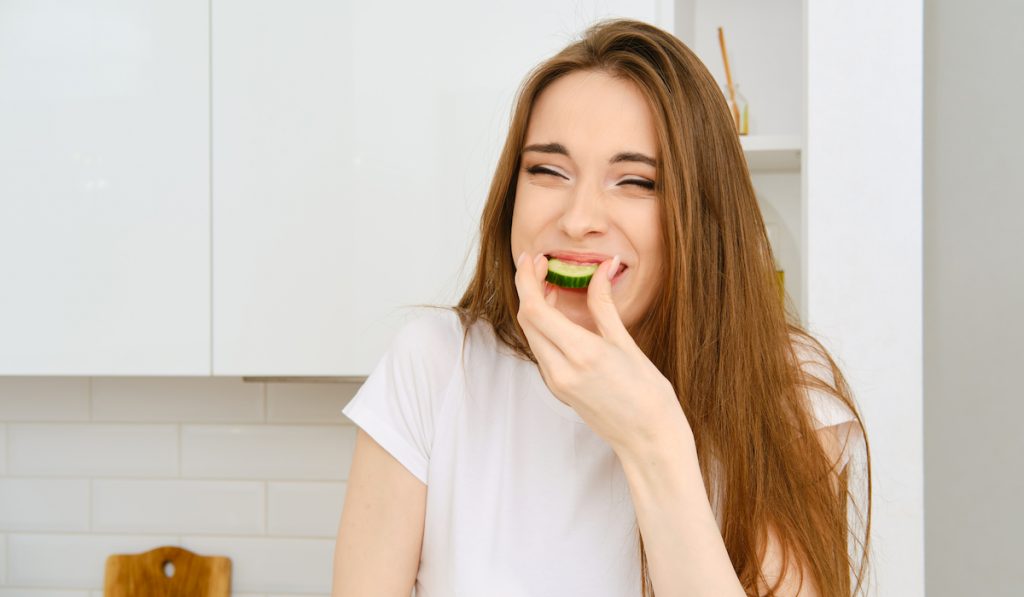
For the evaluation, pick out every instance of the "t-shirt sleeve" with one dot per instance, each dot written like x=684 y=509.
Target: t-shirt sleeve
x=401 y=399
x=826 y=409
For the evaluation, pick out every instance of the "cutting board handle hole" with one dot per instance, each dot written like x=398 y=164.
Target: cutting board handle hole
x=168 y=568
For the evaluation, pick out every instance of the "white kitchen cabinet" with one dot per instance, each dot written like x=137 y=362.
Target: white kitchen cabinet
x=104 y=188
x=353 y=145
x=350 y=154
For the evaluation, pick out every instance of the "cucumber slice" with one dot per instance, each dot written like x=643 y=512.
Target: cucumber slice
x=570 y=275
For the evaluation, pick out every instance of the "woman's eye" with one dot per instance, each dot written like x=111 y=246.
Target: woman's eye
x=640 y=182
x=542 y=170
x=647 y=184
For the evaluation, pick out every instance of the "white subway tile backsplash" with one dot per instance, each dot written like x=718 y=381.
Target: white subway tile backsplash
x=176 y=399
x=63 y=561
x=311 y=509
x=272 y=564
x=44 y=398
x=178 y=506
x=93 y=467
x=92 y=449
x=309 y=402
x=299 y=452
x=44 y=504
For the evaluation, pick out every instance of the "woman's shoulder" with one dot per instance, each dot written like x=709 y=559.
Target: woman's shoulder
x=442 y=336
x=430 y=328
x=427 y=344
x=835 y=420
x=819 y=382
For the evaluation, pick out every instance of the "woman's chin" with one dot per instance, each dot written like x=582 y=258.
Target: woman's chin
x=573 y=304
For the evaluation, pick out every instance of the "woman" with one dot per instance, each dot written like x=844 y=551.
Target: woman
x=665 y=430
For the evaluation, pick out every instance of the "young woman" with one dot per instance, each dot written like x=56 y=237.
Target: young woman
x=667 y=429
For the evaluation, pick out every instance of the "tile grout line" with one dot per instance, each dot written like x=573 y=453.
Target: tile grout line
x=35 y=589
x=88 y=501
x=179 y=426
x=264 y=391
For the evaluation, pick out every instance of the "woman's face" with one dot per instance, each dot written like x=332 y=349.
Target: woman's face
x=586 y=186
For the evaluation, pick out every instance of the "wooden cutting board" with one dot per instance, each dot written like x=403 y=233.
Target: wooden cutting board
x=145 y=574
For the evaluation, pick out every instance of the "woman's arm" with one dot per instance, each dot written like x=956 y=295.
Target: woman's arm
x=834 y=439
x=381 y=532
x=771 y=567
x=685 y=551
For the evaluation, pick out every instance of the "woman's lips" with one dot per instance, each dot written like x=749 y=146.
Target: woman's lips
x=576 y=257
x=593 y=260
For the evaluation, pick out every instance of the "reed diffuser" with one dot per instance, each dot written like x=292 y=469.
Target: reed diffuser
x=737 y=103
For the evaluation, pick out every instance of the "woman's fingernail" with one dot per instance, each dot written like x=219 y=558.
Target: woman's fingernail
x=519 y=261
x=614 y=267
x=539 y=259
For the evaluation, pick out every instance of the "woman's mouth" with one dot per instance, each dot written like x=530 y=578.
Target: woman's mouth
x=622 y=266
x=583 y=291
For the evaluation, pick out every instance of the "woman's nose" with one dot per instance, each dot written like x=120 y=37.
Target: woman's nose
x=585 y=212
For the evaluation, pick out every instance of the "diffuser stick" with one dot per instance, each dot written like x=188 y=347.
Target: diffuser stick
x=728 y=79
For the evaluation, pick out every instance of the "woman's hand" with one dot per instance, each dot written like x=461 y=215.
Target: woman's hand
x=605 y=378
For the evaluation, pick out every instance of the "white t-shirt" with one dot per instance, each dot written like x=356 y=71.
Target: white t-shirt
x=523 y=499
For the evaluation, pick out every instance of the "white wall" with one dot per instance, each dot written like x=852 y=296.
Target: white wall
x=974 y=293
x=862 y=212
x=95 y=466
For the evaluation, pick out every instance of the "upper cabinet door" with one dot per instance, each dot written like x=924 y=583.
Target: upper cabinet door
x=104 y=188
x=353 y=146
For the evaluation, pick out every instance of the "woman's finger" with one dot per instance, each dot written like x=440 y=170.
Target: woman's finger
x=602 y=305
x=552 y=323
x=547 y=352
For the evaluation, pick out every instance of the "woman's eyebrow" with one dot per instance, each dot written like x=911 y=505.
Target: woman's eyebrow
x=625 y=156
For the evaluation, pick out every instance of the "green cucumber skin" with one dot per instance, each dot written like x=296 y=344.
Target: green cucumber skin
x=558 y=278
x=566 y=282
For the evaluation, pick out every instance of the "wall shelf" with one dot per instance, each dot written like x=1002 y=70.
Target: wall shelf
x=772 y=152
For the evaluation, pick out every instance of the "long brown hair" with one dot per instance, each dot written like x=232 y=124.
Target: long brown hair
x=717 y=330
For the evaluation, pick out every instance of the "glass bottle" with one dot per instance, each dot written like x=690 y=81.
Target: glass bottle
x=780 y=275
x=743 y=125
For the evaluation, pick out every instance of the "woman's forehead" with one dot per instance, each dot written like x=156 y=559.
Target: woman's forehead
x=591 y=112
